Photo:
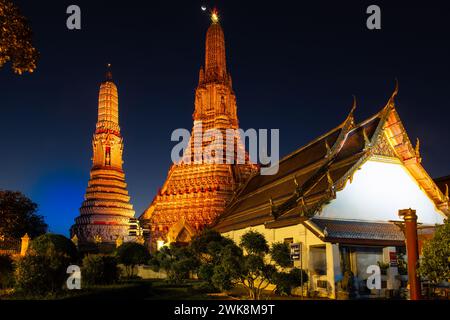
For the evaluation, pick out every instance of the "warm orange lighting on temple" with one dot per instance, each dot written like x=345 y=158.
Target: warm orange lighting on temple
x=194 y=195
x=106 y=210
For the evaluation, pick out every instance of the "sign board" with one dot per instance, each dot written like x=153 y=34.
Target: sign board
x=393 y=259
x=296 y=249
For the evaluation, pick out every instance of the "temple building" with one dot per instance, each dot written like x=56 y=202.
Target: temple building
x=196 y=192
x=106 y=211
x=336 y=202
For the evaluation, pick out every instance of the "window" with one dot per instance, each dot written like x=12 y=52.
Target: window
x=108 y=156
x=318 y=260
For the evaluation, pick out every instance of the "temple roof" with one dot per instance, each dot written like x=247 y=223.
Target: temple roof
x=310 y=177
x=345 y=231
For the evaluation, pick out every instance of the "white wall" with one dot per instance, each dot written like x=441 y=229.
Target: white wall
x=378 y=191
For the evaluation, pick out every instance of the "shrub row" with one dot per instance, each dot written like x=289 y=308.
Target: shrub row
x=43 y=270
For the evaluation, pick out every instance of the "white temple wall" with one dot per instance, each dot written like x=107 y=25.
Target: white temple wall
x=378 y=191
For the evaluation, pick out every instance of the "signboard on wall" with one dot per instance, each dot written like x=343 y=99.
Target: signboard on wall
x=393 y=259
x=296 y=249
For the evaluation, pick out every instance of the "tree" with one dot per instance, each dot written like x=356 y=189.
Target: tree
x=281 y=254
x=286 y=281
x=177 y=261
x=6 y=271
x=288 y=278
x=248 y=269
x=256 y=266
x=207 y=244
x=18 y=215
x=131 y=254
x=254 y=243
x=207 y=247
x=435 y=263
x=16 y=39
x=43 y=269
x=99 y=269
x=37 y=275
x=50 y=243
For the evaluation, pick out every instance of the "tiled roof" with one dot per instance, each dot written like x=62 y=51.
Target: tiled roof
x=343 y=230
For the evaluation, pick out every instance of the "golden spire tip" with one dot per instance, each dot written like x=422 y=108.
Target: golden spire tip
x=108 y=72
x=214 y=16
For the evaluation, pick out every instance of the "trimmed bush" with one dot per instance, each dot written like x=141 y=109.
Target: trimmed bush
x=99 y=269
x=50 y=243
x=287 y=281
x=37 y=275
x=177 y=261
x=43 y=269
x=6 y=272
x=131 y=254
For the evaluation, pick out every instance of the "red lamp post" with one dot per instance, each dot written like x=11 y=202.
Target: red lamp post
x=412 y=249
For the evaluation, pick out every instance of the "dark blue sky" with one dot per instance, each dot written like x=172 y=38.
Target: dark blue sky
x=295 y=67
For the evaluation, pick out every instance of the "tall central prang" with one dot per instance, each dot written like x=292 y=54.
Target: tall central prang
x=194 y=193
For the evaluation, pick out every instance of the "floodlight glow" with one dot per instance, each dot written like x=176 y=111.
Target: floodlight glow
x=159 y=244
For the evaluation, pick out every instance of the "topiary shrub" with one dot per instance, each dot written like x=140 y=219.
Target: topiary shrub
x=6 y=272
x=131 y=254
x=54 y=243
x=206 y=272
x=34 y=276
x=286 y=281
x=43 y=269
x=99 y=269
x=177 y=261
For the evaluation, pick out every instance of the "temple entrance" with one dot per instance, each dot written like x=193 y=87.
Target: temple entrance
x=180 y=233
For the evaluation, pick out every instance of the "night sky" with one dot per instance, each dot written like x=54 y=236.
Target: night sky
x=295 y=66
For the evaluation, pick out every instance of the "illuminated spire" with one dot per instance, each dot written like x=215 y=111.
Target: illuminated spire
x=215 y=59
x=108 y=105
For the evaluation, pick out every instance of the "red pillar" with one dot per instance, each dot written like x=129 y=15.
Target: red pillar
x=412 y=249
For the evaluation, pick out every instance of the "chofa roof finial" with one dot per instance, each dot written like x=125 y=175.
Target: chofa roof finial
x=354 y=105
x=394 y=94
x=417 y=150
